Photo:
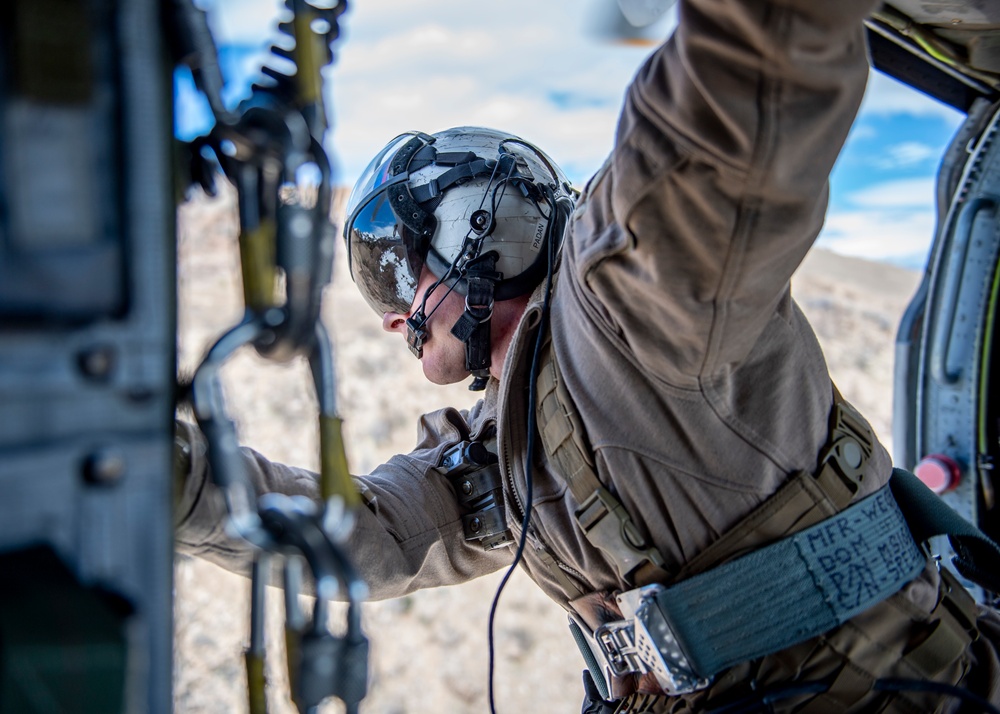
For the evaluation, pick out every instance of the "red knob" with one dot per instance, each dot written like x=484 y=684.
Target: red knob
x=939 y=473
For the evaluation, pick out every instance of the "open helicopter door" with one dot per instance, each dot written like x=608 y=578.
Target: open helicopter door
x=947 y=382
x=86 y=357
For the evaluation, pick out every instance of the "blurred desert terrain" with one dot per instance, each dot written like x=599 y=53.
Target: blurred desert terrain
x=429 y=650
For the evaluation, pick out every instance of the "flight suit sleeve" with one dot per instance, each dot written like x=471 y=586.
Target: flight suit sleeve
x=717 y=185
x=408 y=534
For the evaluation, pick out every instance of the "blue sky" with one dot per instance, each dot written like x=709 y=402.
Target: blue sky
x=541 y=69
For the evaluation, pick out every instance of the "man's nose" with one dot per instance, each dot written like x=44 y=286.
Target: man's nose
x=394 y=322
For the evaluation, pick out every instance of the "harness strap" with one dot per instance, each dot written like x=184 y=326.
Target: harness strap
x=977 y=556
x=954 y=629
x=797 y=588
x=563 y=434
x=601 y=515
x=835 y=585
x=806 y=499
x=473 y=326
x=794 y=589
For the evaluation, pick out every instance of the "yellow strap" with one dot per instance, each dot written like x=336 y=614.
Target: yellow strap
x=256 y=684
x=335 y=476
x=257 y=256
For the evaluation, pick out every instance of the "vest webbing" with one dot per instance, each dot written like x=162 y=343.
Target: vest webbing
x=600 y=514
x=801 y=502
x=805 y=500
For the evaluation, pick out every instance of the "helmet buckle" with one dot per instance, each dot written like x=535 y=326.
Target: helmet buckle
x=416 y=333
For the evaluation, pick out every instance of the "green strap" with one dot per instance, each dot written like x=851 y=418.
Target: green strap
x=794 y=589
x=977 y=557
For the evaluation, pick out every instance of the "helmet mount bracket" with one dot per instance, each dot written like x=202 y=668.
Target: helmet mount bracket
x=473 y=327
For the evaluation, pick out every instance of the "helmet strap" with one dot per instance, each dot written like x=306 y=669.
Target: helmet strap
x=473 y=327
x=416 y=332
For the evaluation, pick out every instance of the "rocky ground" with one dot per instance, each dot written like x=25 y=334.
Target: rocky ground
x=429 y=650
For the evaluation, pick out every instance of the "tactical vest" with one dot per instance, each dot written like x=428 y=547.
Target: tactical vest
x=886 y=638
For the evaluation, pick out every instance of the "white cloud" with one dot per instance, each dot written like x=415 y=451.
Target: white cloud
x=901 y=193
x=530 y=70
x=900 y=236
x=861 y=132
x=907 y=154
x=246 y=22
x=892 y=221
x=534 y=68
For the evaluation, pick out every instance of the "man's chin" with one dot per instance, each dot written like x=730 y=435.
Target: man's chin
x=443 y=378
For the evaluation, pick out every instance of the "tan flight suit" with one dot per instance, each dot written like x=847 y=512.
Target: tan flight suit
x=700 y=384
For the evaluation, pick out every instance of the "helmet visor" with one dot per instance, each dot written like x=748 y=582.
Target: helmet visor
x=377 y=172
x=385 y=271
x=383 y=264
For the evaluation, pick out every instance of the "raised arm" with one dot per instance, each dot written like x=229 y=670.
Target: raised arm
x=718 y=183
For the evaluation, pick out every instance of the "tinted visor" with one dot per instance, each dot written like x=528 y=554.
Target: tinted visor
x=385 y=269
x=383 y=263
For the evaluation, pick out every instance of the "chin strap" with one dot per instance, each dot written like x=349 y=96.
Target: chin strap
x=416 y=332
x=473 y=327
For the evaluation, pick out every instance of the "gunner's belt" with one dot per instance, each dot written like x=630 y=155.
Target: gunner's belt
x=763 y=602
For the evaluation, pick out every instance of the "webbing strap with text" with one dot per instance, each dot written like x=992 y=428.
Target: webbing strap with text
x=794 y=589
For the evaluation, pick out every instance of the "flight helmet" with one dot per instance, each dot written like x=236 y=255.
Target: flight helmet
x=483 y=210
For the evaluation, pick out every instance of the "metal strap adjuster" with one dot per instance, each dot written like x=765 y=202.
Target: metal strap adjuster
x=645 y=643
